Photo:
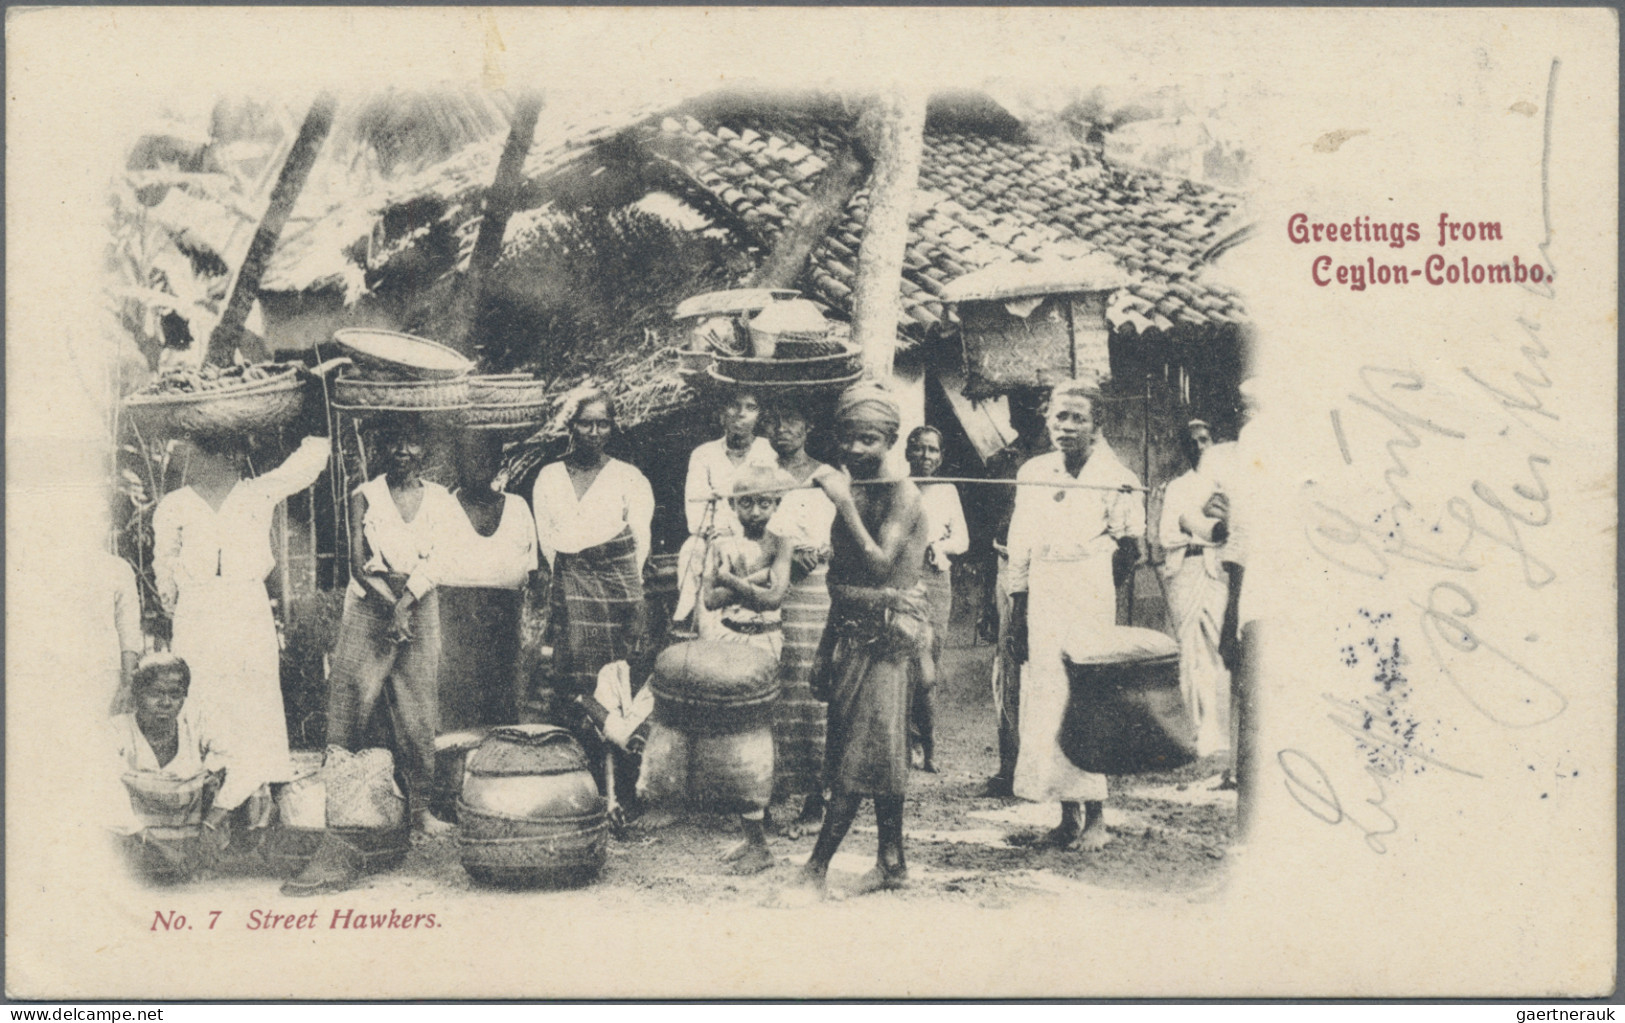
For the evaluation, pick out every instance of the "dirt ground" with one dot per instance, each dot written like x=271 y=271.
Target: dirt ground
x=1170 y=836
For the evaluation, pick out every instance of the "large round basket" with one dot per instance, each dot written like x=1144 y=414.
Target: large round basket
x=843 y=363
x=514 y=401
x=708 y=687
x=263 y=405
x=362 y=396
x=551 y=852
x=387 y=354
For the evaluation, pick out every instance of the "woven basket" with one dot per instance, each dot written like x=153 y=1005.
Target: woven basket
x=506 y=417
x=786 y=389
x=843 y=363
x=261 y=405
x=506 y=389
x=789 y=347
x=555 y=852
x=354 y=394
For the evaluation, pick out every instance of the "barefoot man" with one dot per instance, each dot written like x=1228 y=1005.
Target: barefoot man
x=1065 y=545
x=876 y=631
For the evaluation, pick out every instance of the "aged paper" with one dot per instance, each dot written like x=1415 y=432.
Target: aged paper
x=1435 y=565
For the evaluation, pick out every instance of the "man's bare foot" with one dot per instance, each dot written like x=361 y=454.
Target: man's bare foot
x=1094 y=837
x=1227 y=783
x=878 y=879
x=812 y=877
x=929 y=766
x=748 y=857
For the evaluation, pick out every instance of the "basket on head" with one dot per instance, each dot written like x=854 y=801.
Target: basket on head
x=353 y=393
x=253 y=406
x=510 y=401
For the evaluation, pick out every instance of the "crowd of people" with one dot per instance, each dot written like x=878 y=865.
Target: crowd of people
x=843 y=573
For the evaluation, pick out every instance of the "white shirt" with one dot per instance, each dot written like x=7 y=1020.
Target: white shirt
x=620 y=497
x=1044 y=528
x=398 y=547
x=192 y=542
x=199 y=751
x=944 y=522
x=503 y=560
x=711 y=474
x=804 y=517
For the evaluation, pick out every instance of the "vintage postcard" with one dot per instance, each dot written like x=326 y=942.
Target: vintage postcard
x=800 y=502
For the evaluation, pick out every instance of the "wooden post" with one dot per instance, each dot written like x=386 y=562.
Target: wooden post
x=894 y=128
x=290 y=182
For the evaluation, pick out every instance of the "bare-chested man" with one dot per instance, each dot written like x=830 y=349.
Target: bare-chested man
x=876 y=631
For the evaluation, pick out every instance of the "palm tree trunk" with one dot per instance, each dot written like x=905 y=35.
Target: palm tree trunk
x=501 y=202
x=228 y=333
x=895 y=128
x=812 y=221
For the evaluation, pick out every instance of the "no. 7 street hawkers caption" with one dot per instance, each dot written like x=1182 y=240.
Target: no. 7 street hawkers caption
x=347 y=918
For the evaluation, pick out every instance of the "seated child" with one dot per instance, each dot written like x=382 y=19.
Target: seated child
x=175 y=767
x=746 y=576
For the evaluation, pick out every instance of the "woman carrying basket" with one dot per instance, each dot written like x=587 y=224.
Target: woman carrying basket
x=211 y=554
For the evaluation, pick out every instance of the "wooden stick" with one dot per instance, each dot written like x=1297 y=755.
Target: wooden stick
x=1053 y=484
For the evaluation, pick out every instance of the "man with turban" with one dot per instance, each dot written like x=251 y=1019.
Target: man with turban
x=876 y=634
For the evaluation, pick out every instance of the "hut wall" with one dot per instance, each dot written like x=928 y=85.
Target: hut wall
x=1004 y=350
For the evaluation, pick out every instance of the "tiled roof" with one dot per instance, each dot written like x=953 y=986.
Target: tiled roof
x=982 y=199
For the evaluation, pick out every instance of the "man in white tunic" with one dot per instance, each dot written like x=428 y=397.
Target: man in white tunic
x=1063 y=543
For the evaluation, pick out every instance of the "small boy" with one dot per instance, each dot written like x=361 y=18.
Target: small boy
x=746 y=576
x=744 y=583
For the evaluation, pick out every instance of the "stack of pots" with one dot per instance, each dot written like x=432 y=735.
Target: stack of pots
x=530 y=813
x=711 y=744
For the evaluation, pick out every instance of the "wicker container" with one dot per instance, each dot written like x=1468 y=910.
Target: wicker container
x=354 y=393
x=796 y=321
x=1125 y=714
x=708 y=687
x=554 y=852
x=512 y=401
x=390 y=355
x=287 y=850
x=260 y=405
x=841 y=364
x=530 y=812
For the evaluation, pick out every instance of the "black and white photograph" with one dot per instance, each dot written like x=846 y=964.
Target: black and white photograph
x=846 y=503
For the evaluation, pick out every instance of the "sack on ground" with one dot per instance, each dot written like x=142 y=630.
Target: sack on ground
x=361 y=789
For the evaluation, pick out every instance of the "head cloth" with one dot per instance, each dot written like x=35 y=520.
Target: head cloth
x=871 y=403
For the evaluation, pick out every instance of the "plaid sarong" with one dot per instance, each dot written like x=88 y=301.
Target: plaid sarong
x=363 y=661
x=595 y=611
